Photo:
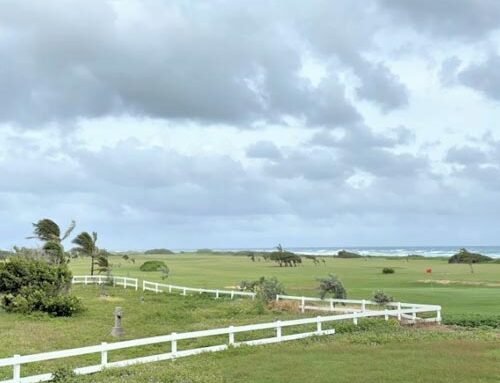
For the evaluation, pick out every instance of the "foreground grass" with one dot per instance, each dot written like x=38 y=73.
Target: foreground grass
x=381 y=354
x=451 y=285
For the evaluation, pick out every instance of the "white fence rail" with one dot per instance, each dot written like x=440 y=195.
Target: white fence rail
x=17 y=361
x=101 y=279
x=331 y=304
x=159 y=287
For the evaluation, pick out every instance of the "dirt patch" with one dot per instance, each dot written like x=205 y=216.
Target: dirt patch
x=465 y=283
x=290 y=306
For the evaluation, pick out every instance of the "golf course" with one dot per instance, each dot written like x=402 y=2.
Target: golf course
x=421 y=353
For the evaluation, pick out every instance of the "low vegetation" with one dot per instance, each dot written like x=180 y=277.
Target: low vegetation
x=347 y=254
x=382 y=298
x=158 y=251
x=332 y=285
x=465 y=256
x=388 y=270
x=152 y=266
x=34 y=284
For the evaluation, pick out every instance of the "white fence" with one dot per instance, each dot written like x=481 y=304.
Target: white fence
x=100 y=279
x=104 y=348
x=356 y=306
x=159 y=287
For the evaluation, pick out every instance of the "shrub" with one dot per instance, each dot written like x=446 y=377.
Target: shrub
x=62 y=305
x=388 y=270
x=348 y=254
x=158 y=251
x=332 y=285
x=472 y=320
x=265 y=288
x=35 y=273
x=382 y=298
x=152 y=266
x=465 y=256
x=33 y=284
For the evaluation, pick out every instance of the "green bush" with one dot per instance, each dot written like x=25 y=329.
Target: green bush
x=465 y=256
x=266 y=289
x=158 y=251
x=388 y=270
x=332 y=285
x=382 y=298
x=36 y=273
x=472 y=320
x=153 y=266
x=62 y=305
x=33 y=284
x=348 y=254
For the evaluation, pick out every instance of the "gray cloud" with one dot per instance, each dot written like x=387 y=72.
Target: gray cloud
x=464 y=19
x=263 y=149
x=483 y=77
x=216 y=63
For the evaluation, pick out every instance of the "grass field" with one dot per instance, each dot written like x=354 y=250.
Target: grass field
x=375 y=351
x=476 y=292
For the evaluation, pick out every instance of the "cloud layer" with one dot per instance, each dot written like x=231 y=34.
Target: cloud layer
x=230 y=124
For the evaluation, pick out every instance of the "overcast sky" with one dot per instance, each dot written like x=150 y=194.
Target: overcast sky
x=187 y=124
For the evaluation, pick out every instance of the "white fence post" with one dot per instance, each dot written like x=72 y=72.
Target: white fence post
x=169 y=288
x=232 y=294
x=114 y=281
x=278 y=330
x=331 y=304
x=104 y=354
x=85 y=280
x=363 y=305
x=399 y=311
x=156 y=288
x=355 y=319
x=277 y=297
x=386 y=315
x=174 y=345
x=136 y=284
x=438 y=316
x=303 y=307
x=318 y=324
x=216 y=294
x=143 y=285
x=414 y=314
x=184 y=291
x=231 y=335
x=16 y=373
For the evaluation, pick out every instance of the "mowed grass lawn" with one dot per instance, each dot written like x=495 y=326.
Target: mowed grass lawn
x=376 y=351
x=466 y=292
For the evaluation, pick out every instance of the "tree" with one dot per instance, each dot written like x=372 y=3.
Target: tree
x=313 y=258
x=284 y=258
x=86 y=246
x=49 y=232
x=332 y=285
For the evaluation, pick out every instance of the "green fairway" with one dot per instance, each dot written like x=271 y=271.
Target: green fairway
x=451 y=285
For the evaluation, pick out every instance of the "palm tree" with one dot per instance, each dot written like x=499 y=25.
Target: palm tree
x=49 y=232
x=86 y=245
